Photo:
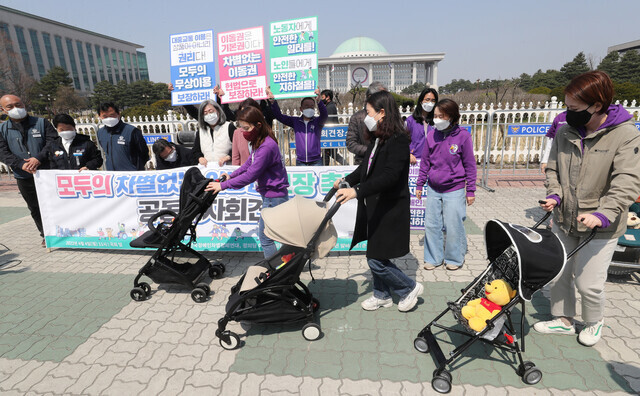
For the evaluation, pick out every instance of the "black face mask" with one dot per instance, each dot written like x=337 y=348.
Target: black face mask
x=578 y=118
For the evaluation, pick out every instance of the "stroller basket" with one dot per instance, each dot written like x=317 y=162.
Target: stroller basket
x=504 y=267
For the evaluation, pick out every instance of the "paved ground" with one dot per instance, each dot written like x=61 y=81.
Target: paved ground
x=68 y=326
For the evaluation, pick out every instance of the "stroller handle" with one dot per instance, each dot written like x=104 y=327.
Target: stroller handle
x=332 y=192
x=161 y=213
x=580 y=246
x=542 y=220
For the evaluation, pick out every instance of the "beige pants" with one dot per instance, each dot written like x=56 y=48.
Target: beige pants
x=585 y=272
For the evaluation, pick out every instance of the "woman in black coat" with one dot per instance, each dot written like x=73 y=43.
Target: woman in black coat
x=381 y=185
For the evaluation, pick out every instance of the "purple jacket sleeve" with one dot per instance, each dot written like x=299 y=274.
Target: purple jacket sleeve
x=248 y=172
x=603 y=219
x=322 y=119
x=285 y=119
x=424 y=166
x=413 y=128
x=469 y=164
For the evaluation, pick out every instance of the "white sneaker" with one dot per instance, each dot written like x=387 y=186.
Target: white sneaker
x=410 y=301
x=555 y=326
x=590 y=335
x=372 y=303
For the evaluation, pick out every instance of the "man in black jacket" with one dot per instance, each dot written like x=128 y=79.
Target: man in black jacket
x=169 y=155
x=71 y=150
x=22 y=141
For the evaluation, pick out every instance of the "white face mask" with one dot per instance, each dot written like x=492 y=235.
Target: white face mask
x=427 y=106
x=17 y=113
x=371 y=123
x=110 y=121
x=172 y=157
x=441 y=124
x=308 y=113
x=211 y=118
x=67 y=135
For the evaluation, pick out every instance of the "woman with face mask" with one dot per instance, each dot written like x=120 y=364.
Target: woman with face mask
x=265 y=167
x=448 y=168
x=214 y=137
x=420 y=121
x=593 y=175
x=71 y=150
x=381 y=186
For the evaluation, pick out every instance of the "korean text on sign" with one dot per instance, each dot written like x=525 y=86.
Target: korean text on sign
x=293 y=48
x=241 y=62
x=192 y=67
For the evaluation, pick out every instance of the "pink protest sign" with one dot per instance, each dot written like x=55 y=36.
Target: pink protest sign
x=242 y=68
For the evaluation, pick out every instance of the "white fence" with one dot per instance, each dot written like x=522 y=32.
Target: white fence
x=494 y=149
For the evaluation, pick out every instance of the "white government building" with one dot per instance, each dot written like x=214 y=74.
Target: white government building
x=35 y=45
x=363 y=60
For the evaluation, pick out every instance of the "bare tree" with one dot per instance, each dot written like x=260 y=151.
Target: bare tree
x=13 y=78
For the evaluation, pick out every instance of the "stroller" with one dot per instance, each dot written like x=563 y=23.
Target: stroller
x=516 y=255
x=271 y=291
x=167 y=239
x=626 y=258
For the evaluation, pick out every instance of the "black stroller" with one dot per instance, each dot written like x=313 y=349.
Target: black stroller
x=167 y=237
x=271 y=291
x=527 y=259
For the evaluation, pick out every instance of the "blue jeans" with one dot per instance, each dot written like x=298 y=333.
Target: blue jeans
x=448 y=210
x=313 y=163
x=268 y=246
x=388 y=278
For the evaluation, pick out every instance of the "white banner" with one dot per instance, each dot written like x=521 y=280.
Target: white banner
x=106 y=210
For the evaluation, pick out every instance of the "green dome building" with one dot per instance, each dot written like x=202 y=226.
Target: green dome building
x=361 y=60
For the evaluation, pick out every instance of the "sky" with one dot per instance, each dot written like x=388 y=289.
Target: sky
x=481 y=39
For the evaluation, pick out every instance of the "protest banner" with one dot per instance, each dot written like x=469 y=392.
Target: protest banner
x=242 y=67
x=293 y=52
x=106 y=210
x=192 y=67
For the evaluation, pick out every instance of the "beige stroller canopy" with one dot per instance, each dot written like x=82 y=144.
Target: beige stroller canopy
x=296 y=221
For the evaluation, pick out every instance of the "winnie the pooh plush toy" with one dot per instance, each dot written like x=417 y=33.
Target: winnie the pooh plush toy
x=498 y=293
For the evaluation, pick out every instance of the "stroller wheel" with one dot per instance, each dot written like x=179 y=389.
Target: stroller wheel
x=526 y=365
x=532 y=376
x=215 y=271
x=198 y=295
x=441 y=383
x=311 y=332
x=204 y=287
x=420 y=343
x=145 y=286
x=233 y=343
x=442 y=373
x=138 y=294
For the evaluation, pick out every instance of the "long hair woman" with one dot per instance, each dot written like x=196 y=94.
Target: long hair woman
x=383 y=217
x=264 y=166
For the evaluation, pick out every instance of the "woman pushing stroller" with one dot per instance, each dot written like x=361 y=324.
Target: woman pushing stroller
x=592 y=176
x=264 y=166
x=383 y=216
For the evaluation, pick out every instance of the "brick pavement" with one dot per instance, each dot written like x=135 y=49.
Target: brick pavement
x=67 y=326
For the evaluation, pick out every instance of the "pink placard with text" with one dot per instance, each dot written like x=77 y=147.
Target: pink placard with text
x=242 y=66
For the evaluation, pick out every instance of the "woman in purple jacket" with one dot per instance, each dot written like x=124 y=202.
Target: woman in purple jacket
x=265 y=167
x=448 y=167
x=418 y=123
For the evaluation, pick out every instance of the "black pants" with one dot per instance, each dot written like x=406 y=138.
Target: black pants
x=27 y=188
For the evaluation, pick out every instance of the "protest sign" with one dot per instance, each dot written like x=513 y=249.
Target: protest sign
x=107 y=210
x=293 y=52
x=192 y=67
x=241 y=59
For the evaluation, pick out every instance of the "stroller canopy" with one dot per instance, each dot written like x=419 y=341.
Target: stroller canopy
x=296 y=221
x=540 y=254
